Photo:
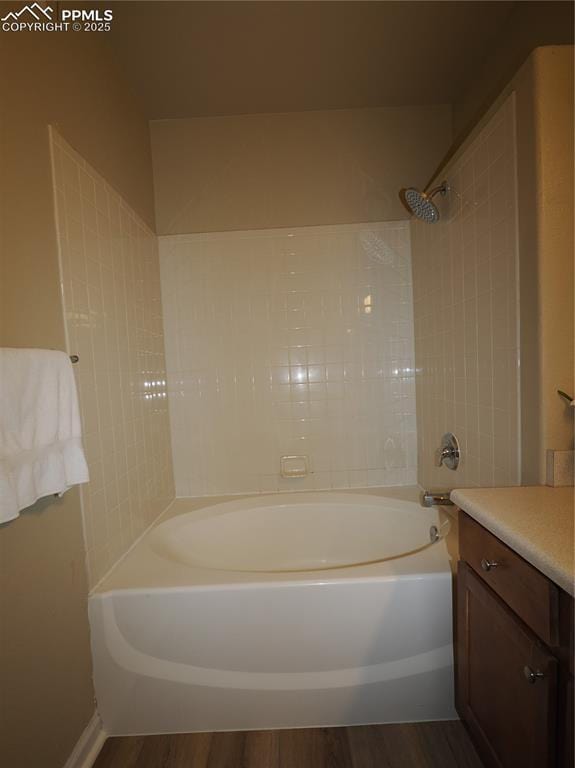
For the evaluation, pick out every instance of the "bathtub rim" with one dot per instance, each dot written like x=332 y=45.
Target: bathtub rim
x=143 y=569
x=161 y=537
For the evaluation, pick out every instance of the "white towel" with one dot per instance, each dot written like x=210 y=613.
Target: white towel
x=40 y=433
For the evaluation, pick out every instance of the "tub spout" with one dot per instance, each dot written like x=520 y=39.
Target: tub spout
x=435 y=499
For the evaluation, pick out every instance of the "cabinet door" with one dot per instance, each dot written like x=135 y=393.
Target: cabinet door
x=510 y=714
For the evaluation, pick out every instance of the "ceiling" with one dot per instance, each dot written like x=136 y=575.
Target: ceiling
x=190 y=59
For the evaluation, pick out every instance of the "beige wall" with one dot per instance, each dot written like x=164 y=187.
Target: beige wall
x=531 y=24
x=296 y=169
x=555 y=205
x=46 y=694
x=543 y=88
x=79 y=92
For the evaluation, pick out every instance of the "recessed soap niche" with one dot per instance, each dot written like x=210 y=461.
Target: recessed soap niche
x=294 y=466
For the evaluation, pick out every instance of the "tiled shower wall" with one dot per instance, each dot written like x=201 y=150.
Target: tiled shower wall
x=112 y=306
x=465 y=290
x=290 y=342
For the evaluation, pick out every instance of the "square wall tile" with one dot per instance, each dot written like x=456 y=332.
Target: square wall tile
x=466 y=340
x=290 y=342
x=112 y=305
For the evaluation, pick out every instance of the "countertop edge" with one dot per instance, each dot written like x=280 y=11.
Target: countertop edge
x=513 y=539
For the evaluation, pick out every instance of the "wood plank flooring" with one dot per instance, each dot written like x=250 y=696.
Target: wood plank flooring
x=414 y=745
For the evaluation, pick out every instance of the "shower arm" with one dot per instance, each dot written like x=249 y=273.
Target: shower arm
x=443 y=188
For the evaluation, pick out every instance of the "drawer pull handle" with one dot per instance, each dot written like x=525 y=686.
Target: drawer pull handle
x=488 y=565
x=531 y=676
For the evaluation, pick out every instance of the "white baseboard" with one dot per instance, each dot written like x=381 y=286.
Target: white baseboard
x=88 y=745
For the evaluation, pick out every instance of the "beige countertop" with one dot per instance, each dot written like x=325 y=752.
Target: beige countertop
x=535 y=521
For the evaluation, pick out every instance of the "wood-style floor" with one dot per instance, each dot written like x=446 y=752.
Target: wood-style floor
x=417 y=745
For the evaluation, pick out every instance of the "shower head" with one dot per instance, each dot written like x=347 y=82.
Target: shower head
x=421 y=203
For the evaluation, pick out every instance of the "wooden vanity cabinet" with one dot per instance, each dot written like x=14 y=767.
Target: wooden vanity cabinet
x=514 y=673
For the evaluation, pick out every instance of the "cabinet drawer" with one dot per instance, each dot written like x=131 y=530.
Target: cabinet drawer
x=530 y=594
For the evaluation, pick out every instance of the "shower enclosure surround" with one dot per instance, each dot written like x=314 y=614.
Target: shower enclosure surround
x=294 y=342
x=113 y=321
x=466 y=307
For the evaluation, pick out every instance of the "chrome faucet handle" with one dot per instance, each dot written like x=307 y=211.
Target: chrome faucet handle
x=441 y=454
x=448 y=453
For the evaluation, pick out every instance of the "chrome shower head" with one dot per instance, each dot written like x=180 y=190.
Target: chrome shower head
x=420 y=203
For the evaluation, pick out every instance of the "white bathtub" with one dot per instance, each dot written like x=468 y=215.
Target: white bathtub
x=280 y=611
